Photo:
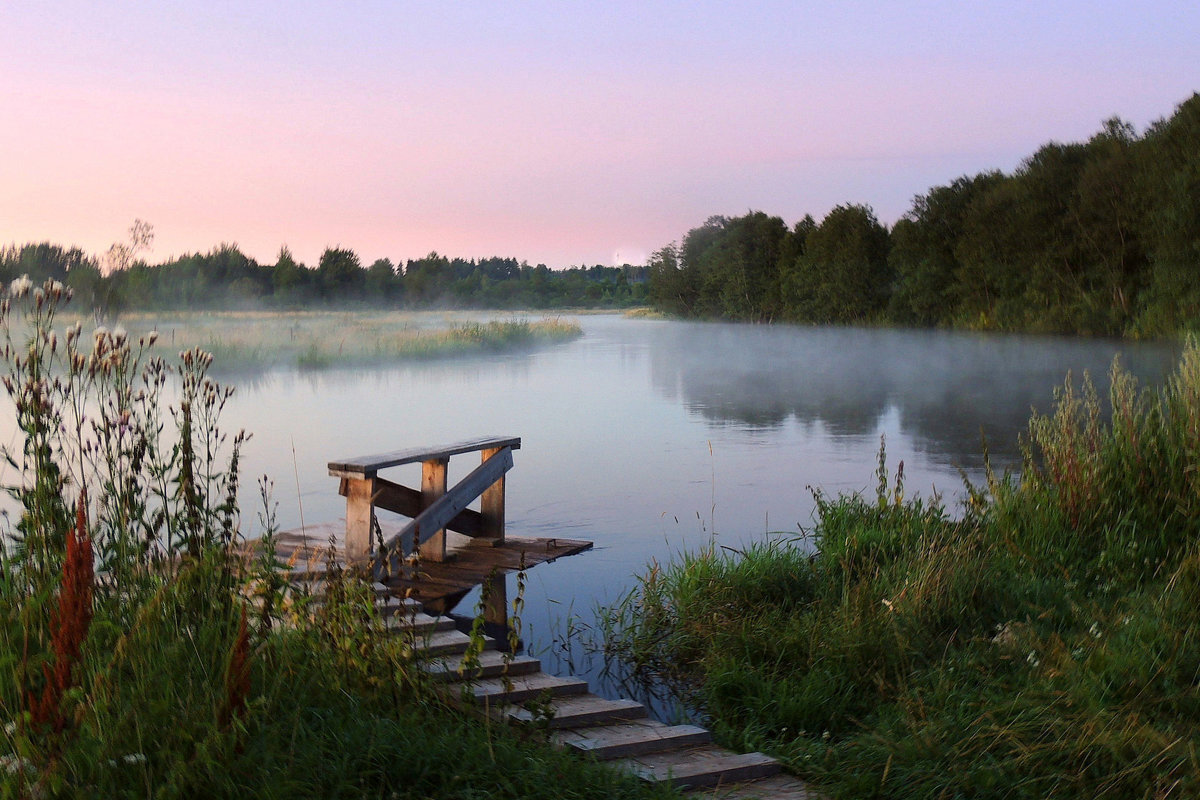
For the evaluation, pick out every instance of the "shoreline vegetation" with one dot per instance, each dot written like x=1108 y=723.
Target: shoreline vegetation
x=240 y=340
x=142 y=654
x=1096 y=238
x=1043 y=643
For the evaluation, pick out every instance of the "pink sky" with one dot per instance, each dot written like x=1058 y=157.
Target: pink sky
x=553 y=132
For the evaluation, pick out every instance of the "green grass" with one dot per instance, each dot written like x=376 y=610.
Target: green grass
x=325 y=339
x=143 y=655
x=1044 y=643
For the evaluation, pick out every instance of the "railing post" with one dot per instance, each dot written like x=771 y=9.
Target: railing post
x=491 y=504
x=433 y=486
x=359 y=493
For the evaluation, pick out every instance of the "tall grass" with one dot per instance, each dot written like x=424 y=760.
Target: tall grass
x=1045 y=643
x=320 y=340
x=143 y=654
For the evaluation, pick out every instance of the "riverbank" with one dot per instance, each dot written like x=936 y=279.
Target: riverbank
x=1042 y=643
x=323 y=339
x=144 y=655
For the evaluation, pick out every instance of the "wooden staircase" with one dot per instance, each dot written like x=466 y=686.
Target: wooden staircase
x=620 y=732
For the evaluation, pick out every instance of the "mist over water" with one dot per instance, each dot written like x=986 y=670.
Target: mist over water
x=653 y=437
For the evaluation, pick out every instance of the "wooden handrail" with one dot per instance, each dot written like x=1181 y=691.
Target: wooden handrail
x=433 y=508
x=367 y=466
x=441 y=512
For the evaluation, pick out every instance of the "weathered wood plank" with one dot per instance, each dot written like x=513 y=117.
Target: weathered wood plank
x=706 y=765
x=631 y=739
x=432 y=539
x=491 y=504
x=407 y=502
x=586 y=709
x=358 y=518
x=362 y=466
x=444 y=509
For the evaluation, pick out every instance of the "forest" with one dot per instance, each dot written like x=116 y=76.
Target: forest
x=226 y=278
x=1095 y=238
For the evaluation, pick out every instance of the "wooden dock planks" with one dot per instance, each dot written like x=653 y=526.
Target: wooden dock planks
x=308 y=552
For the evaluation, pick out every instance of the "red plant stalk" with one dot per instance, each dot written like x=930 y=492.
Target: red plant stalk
x=69 y=624
x=237 y=677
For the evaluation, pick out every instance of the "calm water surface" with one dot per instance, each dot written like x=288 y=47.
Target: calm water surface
x=653 y=437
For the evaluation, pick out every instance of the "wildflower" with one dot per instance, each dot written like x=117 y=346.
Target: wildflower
x=1033 y=659
x=119 y=334
x=20 y=287
x=100 y=332
x=151 y=338
x=69 y=623
x=15 y=764
x=1095 y=630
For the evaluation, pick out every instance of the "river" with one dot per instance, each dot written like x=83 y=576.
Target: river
x=651 y=437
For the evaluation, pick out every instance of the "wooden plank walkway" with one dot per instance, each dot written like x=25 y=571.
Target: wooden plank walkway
x=619 y=732
x=459 y=549
x=437 y=585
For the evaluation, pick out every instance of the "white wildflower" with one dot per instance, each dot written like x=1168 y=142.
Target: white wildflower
x=1095 y=630
x=119 y=334
x=21 y=286
x=100 y=332
x=15 y=764
x=1032 y=659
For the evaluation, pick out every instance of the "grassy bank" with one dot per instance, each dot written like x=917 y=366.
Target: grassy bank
x=322 y=339
x=142 y=656
x=1043 y=643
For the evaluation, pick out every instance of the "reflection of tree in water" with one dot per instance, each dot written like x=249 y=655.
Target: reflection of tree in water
x=948 y=388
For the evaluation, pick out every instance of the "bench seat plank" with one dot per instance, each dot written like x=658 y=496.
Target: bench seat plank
x=367 y=466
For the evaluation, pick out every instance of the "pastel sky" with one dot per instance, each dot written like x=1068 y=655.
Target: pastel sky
x=559 y=132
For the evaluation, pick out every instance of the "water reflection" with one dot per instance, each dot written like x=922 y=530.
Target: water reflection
x=949 y=389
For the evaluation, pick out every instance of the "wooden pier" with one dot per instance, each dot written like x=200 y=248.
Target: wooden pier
x=424 y=567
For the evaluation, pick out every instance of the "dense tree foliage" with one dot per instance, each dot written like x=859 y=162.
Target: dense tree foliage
x=227 y=278
x=1100 y=237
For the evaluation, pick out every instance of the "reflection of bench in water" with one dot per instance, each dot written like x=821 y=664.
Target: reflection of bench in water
x=420 y=559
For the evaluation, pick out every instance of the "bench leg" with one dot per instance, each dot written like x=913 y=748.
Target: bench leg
x=433 y=486
x=358 y=492
x=491 y=505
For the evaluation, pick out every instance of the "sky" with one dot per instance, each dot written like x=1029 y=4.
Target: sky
x=560 y=133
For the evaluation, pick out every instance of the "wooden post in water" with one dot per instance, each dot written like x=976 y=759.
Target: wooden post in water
x=491 y=506
x=433 y=486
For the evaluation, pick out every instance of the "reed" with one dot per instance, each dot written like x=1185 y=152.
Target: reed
x=129 y=663
x=321 y=340
x=1043 y=642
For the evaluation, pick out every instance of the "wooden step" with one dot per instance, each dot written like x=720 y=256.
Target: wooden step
x=777 y=787
x=700 y=766
x=631 y=738
x=416 y=622
x=492 y=664
x=525 y=687
x=447 y=643
x=582 y=710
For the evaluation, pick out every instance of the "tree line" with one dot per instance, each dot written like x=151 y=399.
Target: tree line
x=226 y=277
x=1100 y=237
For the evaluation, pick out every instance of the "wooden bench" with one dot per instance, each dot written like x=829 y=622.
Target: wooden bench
x=433 y=508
